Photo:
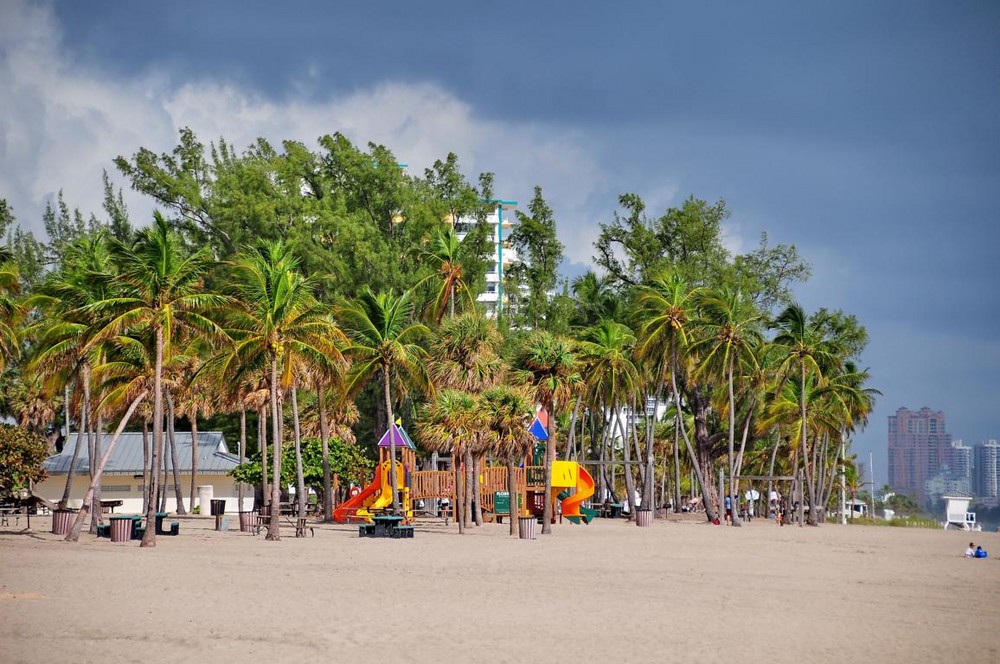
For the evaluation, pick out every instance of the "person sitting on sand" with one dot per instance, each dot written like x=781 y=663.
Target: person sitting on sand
x=971 y=551
x=980 y=552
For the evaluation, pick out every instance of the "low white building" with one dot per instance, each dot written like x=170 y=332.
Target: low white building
x=122 y=477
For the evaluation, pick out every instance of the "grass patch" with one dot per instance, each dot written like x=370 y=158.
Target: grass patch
x=901 y=522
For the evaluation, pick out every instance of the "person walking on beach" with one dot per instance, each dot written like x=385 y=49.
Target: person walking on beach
x=729 y=509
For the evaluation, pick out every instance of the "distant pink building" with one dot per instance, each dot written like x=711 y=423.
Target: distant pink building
x=918 y=447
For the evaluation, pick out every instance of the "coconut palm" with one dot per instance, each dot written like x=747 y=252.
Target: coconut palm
x=612 y=381
x=384 y=340
x=63 y=354
x=730 y=337
x=278 y=326
x=547 y=365
x=159 y=287
x=444 y=255
x=804 y=351
x=667 y=307
x=11 y=313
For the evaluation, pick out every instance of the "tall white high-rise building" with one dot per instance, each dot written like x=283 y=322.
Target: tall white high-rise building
x=504 y=255
x=987 y=469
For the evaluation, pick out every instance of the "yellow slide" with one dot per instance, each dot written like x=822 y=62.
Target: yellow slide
x=567 y=475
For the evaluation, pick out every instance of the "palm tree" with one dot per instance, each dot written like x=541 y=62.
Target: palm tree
x=466 y=356
x=548 y=367
x=667 y=306
x=11 y=313
x=612 y=381
x=445 y=257
x=385 y=340
x=62 y=352
x=279 y=325
x=730 y=324
x=160 y=289
x=507 y=412
x=450 y=423
x=803 y=346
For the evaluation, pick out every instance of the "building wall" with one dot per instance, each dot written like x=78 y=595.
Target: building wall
x=987 y=469
x=918 y=447
x=504 y=255
x=128 y=489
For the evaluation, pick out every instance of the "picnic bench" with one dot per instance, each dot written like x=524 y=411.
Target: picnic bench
x=389 y=526
x=255 y=522
x=7 y=512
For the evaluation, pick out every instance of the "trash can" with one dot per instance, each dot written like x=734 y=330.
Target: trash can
x=526 y=527
x=644 y=518
x=62 y=521
x=218 y=507
x=121 y=528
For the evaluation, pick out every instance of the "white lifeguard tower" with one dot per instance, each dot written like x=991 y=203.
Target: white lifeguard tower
x=957 y=513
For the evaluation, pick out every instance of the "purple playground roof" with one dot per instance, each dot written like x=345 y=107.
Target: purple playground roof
x=399 y=437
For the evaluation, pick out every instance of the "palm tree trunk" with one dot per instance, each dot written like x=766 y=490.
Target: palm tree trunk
x=300 y=482
x=477 y=511
x=550 y=453
x=74 y=533
x=700 y=414
x=677 y=462
x=149 y=536
x=805 y=449
x=262 y=446
x=145 y=466
x=174 y=461
x=513 y=495
x=392 y=441
x=242 y=451
x=458 y=468
x=627 y=458
x=98 y=516
x=81 y=430
x=324 y=435
x=273 y=525
x=733 y=493
x=194 y=458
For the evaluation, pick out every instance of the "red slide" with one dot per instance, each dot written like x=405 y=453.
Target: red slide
x=347 y=512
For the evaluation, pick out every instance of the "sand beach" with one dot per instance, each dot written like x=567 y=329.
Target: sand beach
x=680 y=591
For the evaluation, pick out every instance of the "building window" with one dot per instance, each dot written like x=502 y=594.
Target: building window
x=115 y=488
x=933 y=424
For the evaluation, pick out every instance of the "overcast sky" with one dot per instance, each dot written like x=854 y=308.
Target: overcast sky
x=865 y=133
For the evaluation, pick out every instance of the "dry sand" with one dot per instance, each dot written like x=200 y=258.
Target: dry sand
x=681 y=591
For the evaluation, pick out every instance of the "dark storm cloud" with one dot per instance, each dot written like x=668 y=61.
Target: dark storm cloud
x=864 y=132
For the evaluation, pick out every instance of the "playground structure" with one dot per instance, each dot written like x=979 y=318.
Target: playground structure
x=377 y=496
x=572 y=485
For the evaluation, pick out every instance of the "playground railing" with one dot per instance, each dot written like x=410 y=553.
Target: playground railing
x=432 y=484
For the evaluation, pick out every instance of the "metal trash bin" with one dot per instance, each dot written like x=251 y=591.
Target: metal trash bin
x=526 y=527
x=644 y=518
x=121 y=528
x=62 y=521
x=218 y=506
